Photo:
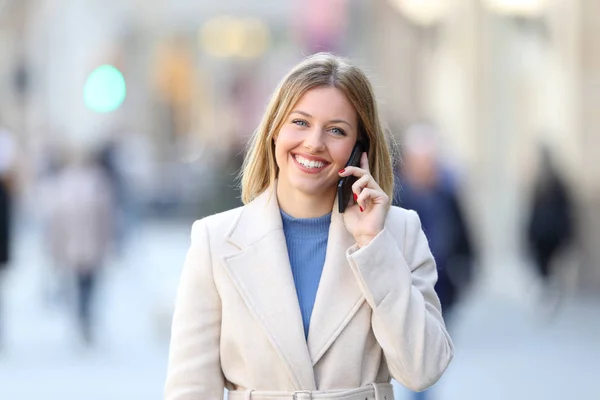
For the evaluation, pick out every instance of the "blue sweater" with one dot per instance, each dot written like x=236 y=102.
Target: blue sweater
x=306 y=240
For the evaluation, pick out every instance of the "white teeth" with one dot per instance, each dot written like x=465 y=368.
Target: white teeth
x=309 y=163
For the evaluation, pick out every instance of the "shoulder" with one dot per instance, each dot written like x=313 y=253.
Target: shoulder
x=216 y=225
x=402 y=218
x=404 y=225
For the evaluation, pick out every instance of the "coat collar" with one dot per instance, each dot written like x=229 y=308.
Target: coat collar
x=262 y=274
x=258 y=219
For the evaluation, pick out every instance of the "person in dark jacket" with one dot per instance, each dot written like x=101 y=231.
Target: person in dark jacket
x=5 y=223
x=7 y=160
x=430 y=188
x=550 y=225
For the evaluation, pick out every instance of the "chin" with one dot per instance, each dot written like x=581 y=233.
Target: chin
x=316 y=188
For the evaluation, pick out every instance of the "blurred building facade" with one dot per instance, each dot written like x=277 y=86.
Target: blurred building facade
x=198 y=75
x=498 y=80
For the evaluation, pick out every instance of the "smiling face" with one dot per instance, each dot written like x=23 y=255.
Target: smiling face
x=314 y=143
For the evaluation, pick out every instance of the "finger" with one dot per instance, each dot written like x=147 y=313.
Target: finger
x=364 y=199
x=355 y=171
x=366 y=180
x=360 y=184
x=364 y=162
x=369 y=196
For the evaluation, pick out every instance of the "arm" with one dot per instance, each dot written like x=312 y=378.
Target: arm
x=194 y=370
x=407 y=320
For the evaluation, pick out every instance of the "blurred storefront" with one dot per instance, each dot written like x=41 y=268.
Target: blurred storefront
x=196 y=75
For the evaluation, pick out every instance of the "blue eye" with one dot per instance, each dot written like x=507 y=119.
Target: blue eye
x=338 y=131
x=299 y=122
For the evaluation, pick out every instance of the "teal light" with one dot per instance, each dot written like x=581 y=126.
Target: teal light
x=105 y=89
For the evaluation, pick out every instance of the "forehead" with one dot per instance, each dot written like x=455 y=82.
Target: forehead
x=326 y=102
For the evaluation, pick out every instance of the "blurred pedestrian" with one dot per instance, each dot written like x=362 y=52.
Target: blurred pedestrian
x=294 y=296
x=7 y=181
x=80 y=229
x=428 y=186
x=55 y=282
x=550 y=226
x=110 y=160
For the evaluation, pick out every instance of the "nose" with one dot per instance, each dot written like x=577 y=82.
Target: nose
x=313 y=141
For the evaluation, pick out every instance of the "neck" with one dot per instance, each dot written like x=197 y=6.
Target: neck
x=299 y=205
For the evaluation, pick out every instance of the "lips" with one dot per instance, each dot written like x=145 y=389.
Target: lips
x=309 y=164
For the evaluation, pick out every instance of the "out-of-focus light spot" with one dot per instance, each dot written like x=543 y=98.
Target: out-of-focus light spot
x=257 y=38
x=521 y=8
x=105 y=89
x=423 y=12
x=228 y=36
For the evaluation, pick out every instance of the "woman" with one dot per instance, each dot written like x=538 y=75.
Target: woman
x=286 y=298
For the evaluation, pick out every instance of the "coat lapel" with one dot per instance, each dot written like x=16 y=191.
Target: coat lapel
x=262 y=274
x=339 y=296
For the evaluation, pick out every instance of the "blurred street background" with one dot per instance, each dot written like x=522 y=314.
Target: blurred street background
x=123 y=121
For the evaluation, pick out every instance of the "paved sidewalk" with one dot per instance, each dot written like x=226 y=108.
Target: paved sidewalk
x=507 y=350
x=506 y=347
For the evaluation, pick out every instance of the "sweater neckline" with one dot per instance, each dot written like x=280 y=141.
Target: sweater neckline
x=306 y=227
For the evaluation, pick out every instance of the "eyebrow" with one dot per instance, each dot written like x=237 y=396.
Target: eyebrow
x=334 y=121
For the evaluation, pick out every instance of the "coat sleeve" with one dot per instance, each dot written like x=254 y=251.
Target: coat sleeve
x=406 y=320
x=194 y=370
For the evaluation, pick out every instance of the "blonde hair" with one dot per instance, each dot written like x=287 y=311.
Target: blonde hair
x=259 y=170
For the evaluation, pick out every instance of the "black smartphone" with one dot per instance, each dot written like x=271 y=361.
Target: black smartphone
x=345 y=183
